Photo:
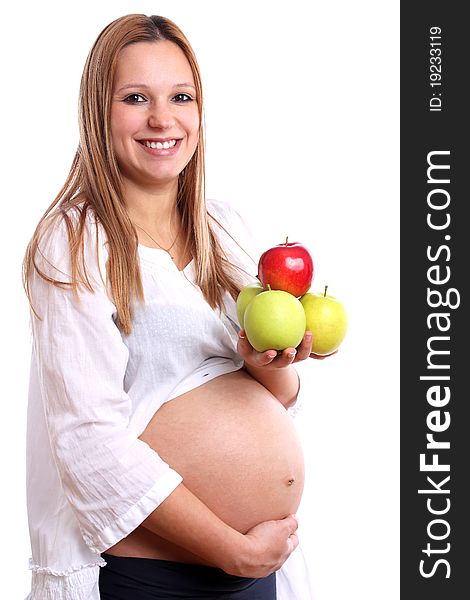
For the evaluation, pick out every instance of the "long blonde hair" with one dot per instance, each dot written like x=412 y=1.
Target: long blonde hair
x=94 y=183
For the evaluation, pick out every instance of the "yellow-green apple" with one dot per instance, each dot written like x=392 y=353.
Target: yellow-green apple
x=274 y=320
x=287 y=267
x=245 y=296
x=326 y=319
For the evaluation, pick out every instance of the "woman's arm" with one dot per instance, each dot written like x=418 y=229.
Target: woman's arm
x=184 y=520
x=275 y=371
x=111 y=479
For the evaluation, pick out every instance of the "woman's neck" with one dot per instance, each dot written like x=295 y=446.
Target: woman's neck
x=152 y=207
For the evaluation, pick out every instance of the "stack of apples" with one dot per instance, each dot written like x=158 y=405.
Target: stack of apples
x=277 y=309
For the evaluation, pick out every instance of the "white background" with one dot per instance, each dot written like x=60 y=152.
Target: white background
x=302 y=137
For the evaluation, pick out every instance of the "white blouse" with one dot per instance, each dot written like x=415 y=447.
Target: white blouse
x=90 y=480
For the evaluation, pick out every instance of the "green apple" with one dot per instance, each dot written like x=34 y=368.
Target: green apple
x=245 y=296
x=274 y=320
x=326 y=319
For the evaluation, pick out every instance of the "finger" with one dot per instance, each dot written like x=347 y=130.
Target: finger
x=304 y=349
x=296 y=522
x=244 y=347
x=250 y=355
x=293 y=542
x=292 y=523
x=264 y=358
x=286 y=357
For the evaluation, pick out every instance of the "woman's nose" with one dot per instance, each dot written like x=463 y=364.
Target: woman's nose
x=161 y=116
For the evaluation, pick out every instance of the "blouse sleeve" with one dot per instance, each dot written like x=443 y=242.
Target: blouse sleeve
x=112 y=480
x=237 y=239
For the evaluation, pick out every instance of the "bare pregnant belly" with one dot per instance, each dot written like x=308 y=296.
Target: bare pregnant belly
x=237 y=450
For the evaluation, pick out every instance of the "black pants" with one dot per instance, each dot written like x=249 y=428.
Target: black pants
x=126 y=578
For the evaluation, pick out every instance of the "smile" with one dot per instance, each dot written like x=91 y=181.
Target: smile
x=160 y=148
x=167 y=144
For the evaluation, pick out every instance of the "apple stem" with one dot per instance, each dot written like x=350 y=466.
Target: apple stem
x=287 y=238
x=268 y=286
x=326 y=287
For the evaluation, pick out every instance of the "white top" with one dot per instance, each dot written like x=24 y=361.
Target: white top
x=90 y=480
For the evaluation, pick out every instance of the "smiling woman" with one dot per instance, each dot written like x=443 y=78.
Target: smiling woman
x=167 y=462
x=157 y=117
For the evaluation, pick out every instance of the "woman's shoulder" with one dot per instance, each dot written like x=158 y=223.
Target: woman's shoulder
x=217 y=208
x=64 y=229
x=234 y=231
x=63 y=219
x=227 y=215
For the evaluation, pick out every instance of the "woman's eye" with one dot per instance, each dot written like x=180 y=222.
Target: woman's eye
x=134 y=99
x=183 y=98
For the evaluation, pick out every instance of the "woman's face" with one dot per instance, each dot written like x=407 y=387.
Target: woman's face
x=154 y=105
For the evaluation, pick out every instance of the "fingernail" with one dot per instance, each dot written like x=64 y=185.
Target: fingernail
x=308 y=335
x=272 y=354
x=241 y=334
x=292 y=354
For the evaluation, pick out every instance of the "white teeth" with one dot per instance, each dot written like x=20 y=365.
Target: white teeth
x=160 y=145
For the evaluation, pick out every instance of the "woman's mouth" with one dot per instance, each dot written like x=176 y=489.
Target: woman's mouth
x=167 y=147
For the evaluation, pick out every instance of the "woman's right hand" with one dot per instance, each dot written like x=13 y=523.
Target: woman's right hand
x=266 y=548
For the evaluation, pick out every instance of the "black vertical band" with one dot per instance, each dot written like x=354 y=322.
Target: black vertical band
x=435 y=322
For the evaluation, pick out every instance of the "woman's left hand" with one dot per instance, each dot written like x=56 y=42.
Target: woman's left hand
x=274 y=359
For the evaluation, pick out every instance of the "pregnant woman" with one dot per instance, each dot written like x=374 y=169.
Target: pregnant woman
x=162 y=461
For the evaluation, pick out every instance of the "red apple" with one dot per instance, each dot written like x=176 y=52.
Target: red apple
x=287 y=267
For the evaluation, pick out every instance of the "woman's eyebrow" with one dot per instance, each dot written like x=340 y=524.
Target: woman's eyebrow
x=144 y=86
x=178 y=85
